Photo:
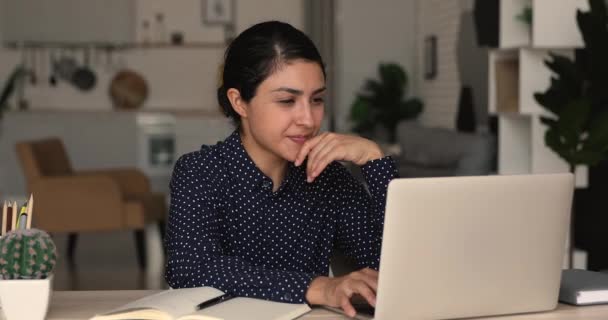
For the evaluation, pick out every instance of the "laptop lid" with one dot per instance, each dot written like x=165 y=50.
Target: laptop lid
x=473 y=246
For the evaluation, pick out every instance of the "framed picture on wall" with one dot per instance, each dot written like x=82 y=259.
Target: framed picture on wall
x=430 y=57
x=218 y=12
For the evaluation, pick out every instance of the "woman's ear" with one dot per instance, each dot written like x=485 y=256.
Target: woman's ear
x=237 y=102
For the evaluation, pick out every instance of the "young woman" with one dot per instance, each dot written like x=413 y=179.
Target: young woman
x=258 y=214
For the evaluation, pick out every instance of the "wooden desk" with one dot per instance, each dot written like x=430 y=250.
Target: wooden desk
x=81 y=305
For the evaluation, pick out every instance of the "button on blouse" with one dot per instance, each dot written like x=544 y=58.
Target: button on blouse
x=227 y=228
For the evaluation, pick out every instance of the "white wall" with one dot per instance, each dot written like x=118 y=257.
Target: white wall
x=440 y=95
x=460 y=62
x=178 y=78
x=367 y=33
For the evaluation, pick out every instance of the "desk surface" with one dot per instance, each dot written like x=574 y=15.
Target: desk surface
x=81 y=305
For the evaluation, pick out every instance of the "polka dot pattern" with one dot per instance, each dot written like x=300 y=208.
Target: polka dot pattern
x=229 y=230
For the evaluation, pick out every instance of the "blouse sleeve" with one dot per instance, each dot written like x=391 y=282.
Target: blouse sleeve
x=194 y=254
x=361 y=211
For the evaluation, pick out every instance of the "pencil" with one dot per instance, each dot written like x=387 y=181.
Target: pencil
x=15 y=213
x=4 y=212
x=22 y=222
x=30 y=211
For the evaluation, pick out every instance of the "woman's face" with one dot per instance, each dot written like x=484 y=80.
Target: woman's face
x=287 y=109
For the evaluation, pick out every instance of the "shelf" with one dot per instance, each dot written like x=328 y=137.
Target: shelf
x=503 y=79
x=194 y=45
x=551 y=27
x=522 y=149
x=515 y=75
x=557 y=27
x=514 y=144
x=113 y=46
x=513 y=33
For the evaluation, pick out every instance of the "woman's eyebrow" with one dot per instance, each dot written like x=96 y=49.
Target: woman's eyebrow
x=296 y=91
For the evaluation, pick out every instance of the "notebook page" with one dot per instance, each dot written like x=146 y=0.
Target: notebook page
x=250 y=309
x=175 y=302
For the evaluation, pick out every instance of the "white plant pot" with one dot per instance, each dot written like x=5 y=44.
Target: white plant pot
x=25 y=299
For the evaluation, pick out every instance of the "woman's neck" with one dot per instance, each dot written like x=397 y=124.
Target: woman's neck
x=270 y=164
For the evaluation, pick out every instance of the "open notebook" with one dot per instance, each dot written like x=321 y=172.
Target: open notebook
x=180 y=304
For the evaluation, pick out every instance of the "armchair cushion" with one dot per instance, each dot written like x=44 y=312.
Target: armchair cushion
x=71 y=203
x=56 y=161
x=131 y=181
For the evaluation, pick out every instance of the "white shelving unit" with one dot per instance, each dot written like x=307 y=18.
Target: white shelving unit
x=517 y=71
x=555 y=23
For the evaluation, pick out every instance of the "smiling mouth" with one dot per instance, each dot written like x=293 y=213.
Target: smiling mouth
x=299 y=139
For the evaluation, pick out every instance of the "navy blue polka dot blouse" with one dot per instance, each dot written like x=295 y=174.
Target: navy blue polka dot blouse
x=229 y=230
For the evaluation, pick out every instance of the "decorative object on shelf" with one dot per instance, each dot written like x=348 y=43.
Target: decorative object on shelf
x=465 y=118
x=383 y=102
x=177 y=38
x=577 y=99
x=128 y=90
x=218 y=12
x=430 y=57
x=9 y=87
x=525 y=15
x=27 y=260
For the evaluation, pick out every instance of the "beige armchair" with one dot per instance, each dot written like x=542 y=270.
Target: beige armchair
x=87 y=201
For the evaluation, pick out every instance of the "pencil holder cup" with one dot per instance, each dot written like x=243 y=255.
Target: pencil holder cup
x=25 y=298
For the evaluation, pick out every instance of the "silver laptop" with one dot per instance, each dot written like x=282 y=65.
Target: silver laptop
x=473 y=246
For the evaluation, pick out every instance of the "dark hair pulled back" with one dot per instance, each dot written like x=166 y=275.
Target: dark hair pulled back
x=255 y=54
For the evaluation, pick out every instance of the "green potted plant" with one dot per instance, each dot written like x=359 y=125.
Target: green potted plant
x=27 y=261
x=383 y=102
x=577 y=99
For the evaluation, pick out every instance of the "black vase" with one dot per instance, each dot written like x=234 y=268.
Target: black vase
x=465 y=119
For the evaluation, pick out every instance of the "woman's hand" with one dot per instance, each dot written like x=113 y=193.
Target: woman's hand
x=328 y=146
x=337 y=292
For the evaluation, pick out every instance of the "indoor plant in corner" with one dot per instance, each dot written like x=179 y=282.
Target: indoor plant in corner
x=384 y=103
x=577 y=99
x=27 y=260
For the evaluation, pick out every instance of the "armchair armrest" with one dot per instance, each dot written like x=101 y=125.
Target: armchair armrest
x=130 y=180
x=77 y=203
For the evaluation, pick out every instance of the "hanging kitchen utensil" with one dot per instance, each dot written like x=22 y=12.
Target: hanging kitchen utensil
x=65 y=67
x=128 y=90
x=42 y=70
x=84 y=78
x=109 y=62
x=33 y=66
x=52 y=61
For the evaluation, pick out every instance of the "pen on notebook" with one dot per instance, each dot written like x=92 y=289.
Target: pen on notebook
x=4 y=213
x=214 y=301
x=30 y=211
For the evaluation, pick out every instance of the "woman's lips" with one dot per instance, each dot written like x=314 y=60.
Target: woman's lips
x=299 y=139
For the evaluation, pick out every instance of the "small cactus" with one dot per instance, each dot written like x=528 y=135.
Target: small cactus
x=27 y=254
